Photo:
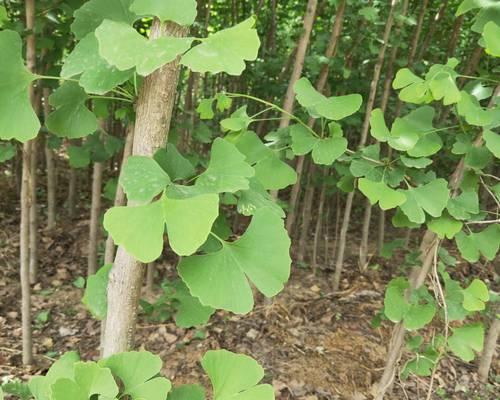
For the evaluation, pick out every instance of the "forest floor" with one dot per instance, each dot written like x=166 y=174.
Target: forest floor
x=313 y=344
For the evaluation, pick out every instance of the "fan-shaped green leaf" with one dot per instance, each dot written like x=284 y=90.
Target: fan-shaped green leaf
x=182 y=12
x=491 y=36
x=138 y=229
x=475 y=296
x=17 y=118
x=492 y=141
x=235 y=376
x=190 y=312
x=7 y=151
x=432 y=197
x=189 y=219
x=225 y=51
x=261 y=254
x=123 y=47
x=97 y=76
x=71 y=118
x=466 y=340
x=142 y=179
x=486 y=242
x=138 y=371
x=187 y=392
x=95 y=297
x=380 y=192
x=445 y=226
x=174 y=163
x=227 y=170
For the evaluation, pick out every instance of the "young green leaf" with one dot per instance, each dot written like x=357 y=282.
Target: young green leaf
x=492 y=141
x=470 y=108
x=415 y=162
x=17 y=118
x=71 y=118
x=227 y=170
x=238 y=121
x=491 y=36
x=432 y=197
x=486 y=243
x=90 y=379
x=380 y=192
x=138 y=372
x=123 y=47
x=40 y=386
x=182 y=12
x=187 y=392
x=475 y=296
x=466 y=340
x=220 y=279
x=333 y=108
x=142 y=179
x=235 y=376
x=225 y=51
x=88 y=17
x=415 y=312
x=7 y=152
x=378 y=126
x=138 y=229
x=189 y=218
x=464 y=206
x=206 y=108
x=190 y=312
x=174 y=163
x=445 y=226
x=255 y=198
x=95 y=297
x=79 y=157
x=324 y=151
x=96 y=75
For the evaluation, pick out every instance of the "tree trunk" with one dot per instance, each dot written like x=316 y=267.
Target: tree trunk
x=33 y=229
x=365 y=234
x=299 y=61
x=417 y=33
x=364 y=136
x=490 y=345
x=26 y=200
x=306 y=214
x=95 y=212
x=51 y=170
x=319 y=220
x=154 y=112
x=432 y=28
x=120 y=200
x=150 y=278
x=320 y=86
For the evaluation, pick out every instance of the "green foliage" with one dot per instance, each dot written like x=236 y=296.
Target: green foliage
x=174 y=163
x=486 y=242
x=187 y=392
x=225 y=51
x=95 y=297
x=380 y=192
x=235 y=376
x=491 y=35
x=182 y=12
x=220 y=279
x=71 y=118
x=7 y=151
x=123 y=47
x=17 y=118
x=475 y=296
x=416 y=310
x=333 y=108
x=466 y=340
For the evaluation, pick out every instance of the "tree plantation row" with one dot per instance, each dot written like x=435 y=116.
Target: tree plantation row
x=227 y=156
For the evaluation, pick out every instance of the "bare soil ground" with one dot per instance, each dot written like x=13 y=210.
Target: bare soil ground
x=313 y=344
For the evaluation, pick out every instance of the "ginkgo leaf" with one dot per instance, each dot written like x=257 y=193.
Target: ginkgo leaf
x=378 y=126
x=414 y=88
x=238 y=121
x=206 y=109
x=71 y=117
x=408 y=130
x=7 y=151
x=174 y=163
x=183 y=12
x=255 y=198
x=138 y=373
x=88 y=17
x=95 y=297
x=380 y=192
x=17 y=118
x=491 y=35
x=125 y=48
x=187 y=392
x=445 y=226
x=142 y=179
x=96 y=75
x=492 y=141
x=235 y=376
x=225 y=51
x=432 y=198
x=486 y=242
x=227 y=170
x=466 y=340
x=189 y=218
x=190 y=312
x=415 y=311
x=475 y=296
x=464 y=206
x=41 y=386
x=416 y=162
x=470 y=108
x=90 y=379
x=138 y=229
x=220 y=279
x=333 y=108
